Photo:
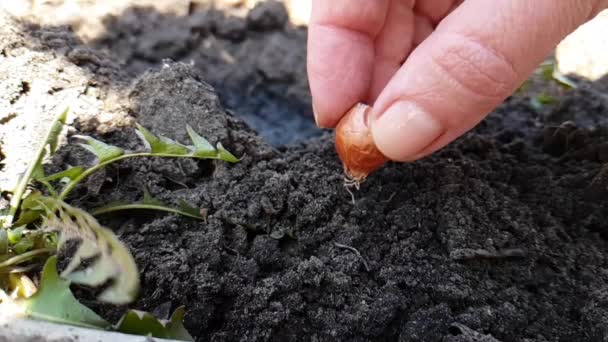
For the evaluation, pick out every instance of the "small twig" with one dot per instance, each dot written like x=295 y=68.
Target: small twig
x=463 y=254
x=177 y=182
x=390 y=198
x=354 y=250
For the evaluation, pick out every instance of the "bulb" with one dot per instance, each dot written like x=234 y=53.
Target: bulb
x=355 y=145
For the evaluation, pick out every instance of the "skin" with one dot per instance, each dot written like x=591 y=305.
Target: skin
x=431 y=69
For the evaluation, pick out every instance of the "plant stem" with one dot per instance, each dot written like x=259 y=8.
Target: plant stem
x=25 y=257
x=25 y=180
x=142 y=206
x=73 y=183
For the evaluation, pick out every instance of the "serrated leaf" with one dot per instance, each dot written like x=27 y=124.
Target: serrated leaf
x=143 y=323
x=106 y=257
x=190 y=210
x=70 y=173
x=225 y=155
x=148 y=199
x=160 y=145
x=55 y=302
x=202 y=147
x=101 y=150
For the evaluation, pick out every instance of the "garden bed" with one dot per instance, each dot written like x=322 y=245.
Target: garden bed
x=499 y=237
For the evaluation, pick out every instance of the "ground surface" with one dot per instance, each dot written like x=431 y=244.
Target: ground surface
x=499 y=237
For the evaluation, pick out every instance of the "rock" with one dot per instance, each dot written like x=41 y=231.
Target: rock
x=277 y=59
x=269 y=15
x=232 y=28
x=165 y=100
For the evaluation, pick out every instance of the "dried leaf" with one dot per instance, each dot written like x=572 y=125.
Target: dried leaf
x=107 y=258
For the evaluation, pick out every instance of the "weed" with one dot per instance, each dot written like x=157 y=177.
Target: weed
x=37 y=225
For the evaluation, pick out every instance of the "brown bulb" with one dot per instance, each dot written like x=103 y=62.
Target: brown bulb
x=355 y=145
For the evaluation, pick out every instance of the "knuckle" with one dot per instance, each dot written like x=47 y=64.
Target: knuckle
x=476 y=67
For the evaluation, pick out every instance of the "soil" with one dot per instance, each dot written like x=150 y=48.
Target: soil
x=501 y=236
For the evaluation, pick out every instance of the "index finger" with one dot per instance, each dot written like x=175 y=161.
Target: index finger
x=340 y=54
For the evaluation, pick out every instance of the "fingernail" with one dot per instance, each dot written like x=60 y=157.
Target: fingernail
x=314 y=112
x=404 y=130
x=316 y=115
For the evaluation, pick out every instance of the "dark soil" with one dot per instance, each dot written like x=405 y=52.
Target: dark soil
x=502 y=236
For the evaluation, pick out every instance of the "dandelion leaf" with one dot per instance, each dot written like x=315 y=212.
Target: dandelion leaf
x=143 y=323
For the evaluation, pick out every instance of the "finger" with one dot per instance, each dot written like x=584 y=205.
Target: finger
x=340 y=56
x=435 y=10
x=393 y=44
x=423 y=29
x=476 y=57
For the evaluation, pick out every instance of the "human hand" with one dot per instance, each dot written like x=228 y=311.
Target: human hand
x=432 y=69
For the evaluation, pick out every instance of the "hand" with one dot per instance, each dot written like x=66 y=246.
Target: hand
x=432 y=69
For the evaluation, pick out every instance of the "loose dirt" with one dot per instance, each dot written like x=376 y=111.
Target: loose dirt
x=499 y=237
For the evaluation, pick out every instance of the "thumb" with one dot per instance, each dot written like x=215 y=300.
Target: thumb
x=476 y=57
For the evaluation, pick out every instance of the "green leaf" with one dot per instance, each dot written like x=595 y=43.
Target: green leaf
x=149 y=203
x=202 y=147
x=546 y=70
x=31 y=210
x=541 y=100
x=149 y=200
x=53 y=136
x=106 y=258
x=27 y=256
x=160 y=145
x=188 y=210
x=38 y=172
x=23 y=246
x=143 y=323
x=70 y=173
x=29 y=216
x=225 y=155
x=101 y=150
x=55 y=302
x=15 y=235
